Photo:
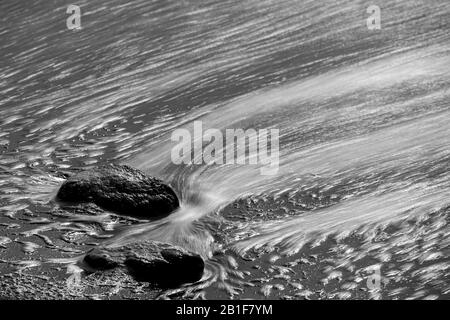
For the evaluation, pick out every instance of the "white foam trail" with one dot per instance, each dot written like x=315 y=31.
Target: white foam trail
x=343 y=218
x=393 y=70
x=409 y=145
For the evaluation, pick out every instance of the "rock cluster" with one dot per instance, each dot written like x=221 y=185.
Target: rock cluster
x=156 y=262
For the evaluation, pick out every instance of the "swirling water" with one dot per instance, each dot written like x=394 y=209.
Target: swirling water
x=363 y=115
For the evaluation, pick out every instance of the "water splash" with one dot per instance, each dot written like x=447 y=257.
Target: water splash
x=397 y=149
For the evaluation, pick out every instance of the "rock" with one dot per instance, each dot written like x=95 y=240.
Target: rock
x=121 y=189
x=160 y=263
x=100 y=260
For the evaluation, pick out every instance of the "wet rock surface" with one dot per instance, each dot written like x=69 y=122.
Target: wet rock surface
x=121 y=189
x=160 y=263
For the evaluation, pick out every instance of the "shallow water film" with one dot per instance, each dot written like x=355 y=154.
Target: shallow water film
x=357 y=204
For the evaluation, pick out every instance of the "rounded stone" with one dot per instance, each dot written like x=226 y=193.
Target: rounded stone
x=121 y=189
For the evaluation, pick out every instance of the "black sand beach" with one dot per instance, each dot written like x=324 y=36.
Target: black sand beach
x=358 y=207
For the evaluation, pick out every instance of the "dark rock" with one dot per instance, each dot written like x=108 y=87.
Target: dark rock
x=121 y=189
x=100 y=260
x=160 y=263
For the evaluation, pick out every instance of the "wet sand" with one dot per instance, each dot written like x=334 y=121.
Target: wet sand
x=364 y=144
x=412 y=255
